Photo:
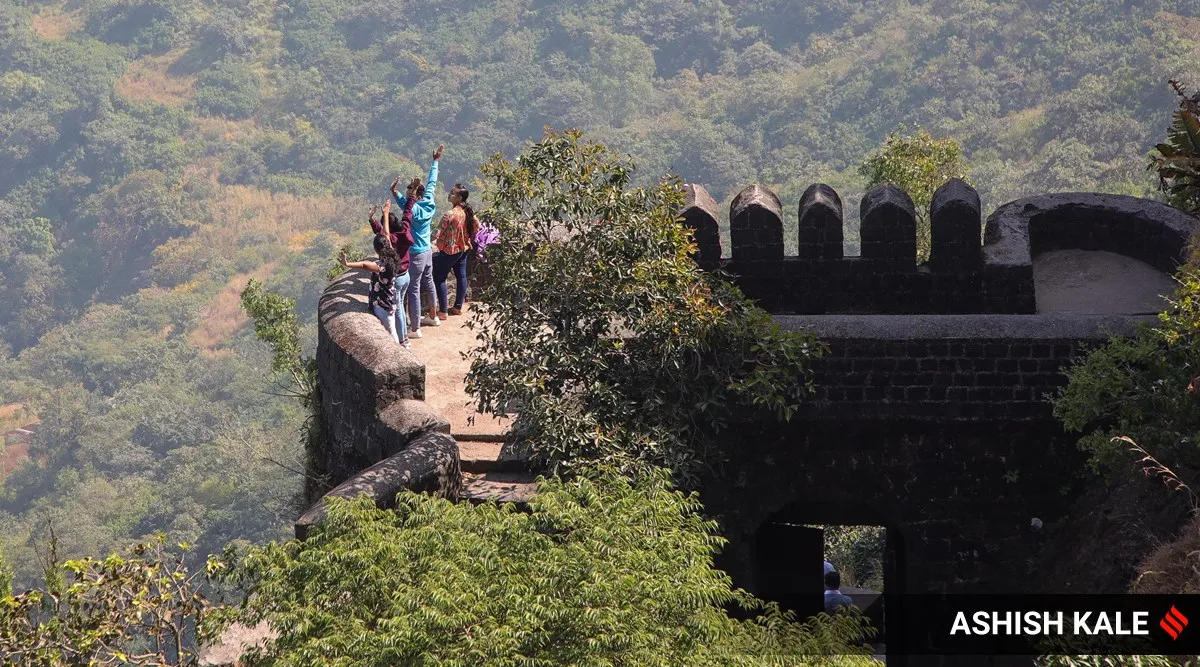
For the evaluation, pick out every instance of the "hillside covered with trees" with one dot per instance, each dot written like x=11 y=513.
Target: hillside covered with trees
x=158 y=154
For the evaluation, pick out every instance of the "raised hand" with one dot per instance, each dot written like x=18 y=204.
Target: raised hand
x=437 y=153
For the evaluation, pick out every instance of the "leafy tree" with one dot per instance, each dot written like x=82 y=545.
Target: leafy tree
x=601 y=570
x=1145 y=387
x=150 y=26
x=1178 y=159
x=857 y=552
x=599 y=325
x=919 y=165
x=230 y=89
x=141 y=609
x=140 y=213
x=276 y=324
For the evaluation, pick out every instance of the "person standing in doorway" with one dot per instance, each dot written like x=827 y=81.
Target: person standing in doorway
x=834 y=598
x=420 y=271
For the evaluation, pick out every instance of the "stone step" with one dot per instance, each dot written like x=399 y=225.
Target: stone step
x=481 y=456
x=503 y=487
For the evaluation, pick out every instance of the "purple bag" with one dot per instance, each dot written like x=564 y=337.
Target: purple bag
x=485 y=236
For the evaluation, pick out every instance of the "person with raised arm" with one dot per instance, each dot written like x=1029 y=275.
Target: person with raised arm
x=420 y=271
x=389 y=276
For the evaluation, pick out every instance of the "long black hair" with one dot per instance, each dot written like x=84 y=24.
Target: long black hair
x=388 y=256
x=472 y=223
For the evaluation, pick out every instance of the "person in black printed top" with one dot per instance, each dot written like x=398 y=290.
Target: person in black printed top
x=386 y=276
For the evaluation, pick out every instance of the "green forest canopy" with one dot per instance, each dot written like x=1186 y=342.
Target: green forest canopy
x=157 y=154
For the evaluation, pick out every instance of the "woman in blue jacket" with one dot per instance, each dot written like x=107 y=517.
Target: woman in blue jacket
x=420 y=269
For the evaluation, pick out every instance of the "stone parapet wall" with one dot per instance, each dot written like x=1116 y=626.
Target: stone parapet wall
x=429 y=463
x=963 y=274
x=947 y=367
x=373 y=413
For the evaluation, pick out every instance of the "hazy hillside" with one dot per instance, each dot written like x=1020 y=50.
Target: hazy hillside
x=156 y=154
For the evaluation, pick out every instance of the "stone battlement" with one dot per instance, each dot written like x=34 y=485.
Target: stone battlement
x=963 y=274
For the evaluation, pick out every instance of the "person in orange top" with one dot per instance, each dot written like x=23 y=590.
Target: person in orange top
x=453 y=242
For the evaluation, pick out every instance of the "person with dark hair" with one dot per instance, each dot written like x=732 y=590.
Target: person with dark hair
x=834 y=599
x=453 y=242
x=420 y=270
x=389 y=276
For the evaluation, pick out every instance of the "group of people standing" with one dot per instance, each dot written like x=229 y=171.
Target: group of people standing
x=408 y=266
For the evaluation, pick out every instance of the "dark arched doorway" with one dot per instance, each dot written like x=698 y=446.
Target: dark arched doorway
x=789 y=549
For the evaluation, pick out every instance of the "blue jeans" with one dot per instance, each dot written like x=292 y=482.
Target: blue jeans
x=442 y=265
x=389 y=321
x=420 y=273
x=401 y=316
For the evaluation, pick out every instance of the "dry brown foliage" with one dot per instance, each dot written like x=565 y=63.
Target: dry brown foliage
x=12 y=457
x=54 y=23
x=1174 y=567
x=146 y=80
x=224 y=316
x=233 y=213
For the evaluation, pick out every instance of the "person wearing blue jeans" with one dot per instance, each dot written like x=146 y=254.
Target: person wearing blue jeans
x=399 y=316
x=383 y=285
x=420 y=270
x=453 y=243
x=389 y=276
x=443 y=264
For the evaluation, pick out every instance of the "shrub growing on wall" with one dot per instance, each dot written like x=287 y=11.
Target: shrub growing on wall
x=1178 y=160
x=598 y=324
x=1145 y=387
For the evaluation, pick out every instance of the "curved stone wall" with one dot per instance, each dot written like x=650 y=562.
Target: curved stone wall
x=380 y=435
x=1147 y=230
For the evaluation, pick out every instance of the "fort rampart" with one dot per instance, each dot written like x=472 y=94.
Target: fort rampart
x=931 y=414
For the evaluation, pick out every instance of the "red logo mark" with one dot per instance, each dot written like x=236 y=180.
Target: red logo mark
x=1174 y=623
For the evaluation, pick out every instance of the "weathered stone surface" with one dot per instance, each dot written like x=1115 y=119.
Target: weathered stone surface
x=889 y=225
x=429 y=464
x=956 y=224
x=756 y=225
x=956 y=498
x=932 y=411
x=499 y=486
x=700 y=213
x=946 y=368
x=819 y=223
x=1141 y=228
x=410 y=418
x=361 y=371
x=961 y=277
x=380 y=437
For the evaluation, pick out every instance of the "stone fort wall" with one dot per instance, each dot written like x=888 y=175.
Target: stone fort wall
x=932 y=410
x=380 y=435
x=931 y=414
x=962 y=275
